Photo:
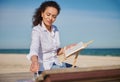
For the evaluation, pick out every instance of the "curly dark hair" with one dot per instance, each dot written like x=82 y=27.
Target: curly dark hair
x=37 y=19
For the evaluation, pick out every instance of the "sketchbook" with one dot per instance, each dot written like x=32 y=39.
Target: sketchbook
x=76 y=48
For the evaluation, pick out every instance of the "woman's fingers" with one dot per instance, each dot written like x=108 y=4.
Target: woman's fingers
x=34 y=67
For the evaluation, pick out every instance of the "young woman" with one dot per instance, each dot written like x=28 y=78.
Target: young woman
x=45 y=44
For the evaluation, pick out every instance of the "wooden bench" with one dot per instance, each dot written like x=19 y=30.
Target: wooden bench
x=91 y=74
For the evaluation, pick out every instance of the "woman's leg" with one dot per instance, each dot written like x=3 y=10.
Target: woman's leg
x=64 y=65
x=55 y=66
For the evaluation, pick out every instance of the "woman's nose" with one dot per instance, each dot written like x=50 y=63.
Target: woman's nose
x=50 y=17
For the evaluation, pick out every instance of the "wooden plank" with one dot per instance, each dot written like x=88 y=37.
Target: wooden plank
x=93 y=74
x=84 y=75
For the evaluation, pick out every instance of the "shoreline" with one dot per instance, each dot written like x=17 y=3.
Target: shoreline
x=15 y=63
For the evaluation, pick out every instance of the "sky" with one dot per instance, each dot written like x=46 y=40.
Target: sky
x=79 y=20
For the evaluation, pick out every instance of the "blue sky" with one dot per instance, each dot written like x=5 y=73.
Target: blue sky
x=79 y=20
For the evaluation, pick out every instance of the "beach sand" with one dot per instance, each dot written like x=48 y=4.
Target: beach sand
x=16 y=63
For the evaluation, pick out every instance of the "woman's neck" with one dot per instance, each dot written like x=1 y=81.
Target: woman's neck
x=49 y=28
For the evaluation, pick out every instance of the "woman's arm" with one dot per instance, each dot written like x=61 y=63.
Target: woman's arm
x=34 y=50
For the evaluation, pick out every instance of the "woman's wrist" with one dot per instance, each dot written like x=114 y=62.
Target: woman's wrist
x=60 y=51
x=34 y=58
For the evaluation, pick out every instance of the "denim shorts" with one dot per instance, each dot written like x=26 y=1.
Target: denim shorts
x=54 y=66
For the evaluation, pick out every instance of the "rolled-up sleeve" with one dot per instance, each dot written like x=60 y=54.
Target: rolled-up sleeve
x=35 y=44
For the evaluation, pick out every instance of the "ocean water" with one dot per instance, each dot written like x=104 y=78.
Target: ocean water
x=15 y=51
x=95 y=51
x=101 y=52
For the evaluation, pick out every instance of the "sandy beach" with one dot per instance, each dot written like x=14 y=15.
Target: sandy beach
x=15 y=63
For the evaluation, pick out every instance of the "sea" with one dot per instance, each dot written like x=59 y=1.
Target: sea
x=87 y=51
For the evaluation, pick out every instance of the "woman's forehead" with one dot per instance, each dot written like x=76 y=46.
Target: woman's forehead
x=51 y=10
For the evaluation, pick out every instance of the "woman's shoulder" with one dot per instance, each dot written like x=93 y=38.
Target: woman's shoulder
x=37 y=28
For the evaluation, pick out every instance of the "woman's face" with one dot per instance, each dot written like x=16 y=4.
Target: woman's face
x=49 y=16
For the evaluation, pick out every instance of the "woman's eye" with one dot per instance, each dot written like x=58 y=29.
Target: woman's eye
x=54 y=16
x=48 y=14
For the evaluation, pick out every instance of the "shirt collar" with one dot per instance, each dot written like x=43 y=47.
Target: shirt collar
x=44 y=28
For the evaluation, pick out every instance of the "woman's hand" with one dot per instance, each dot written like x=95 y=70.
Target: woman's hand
x=62 y=50
x=35 y=64
x=34 y=67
